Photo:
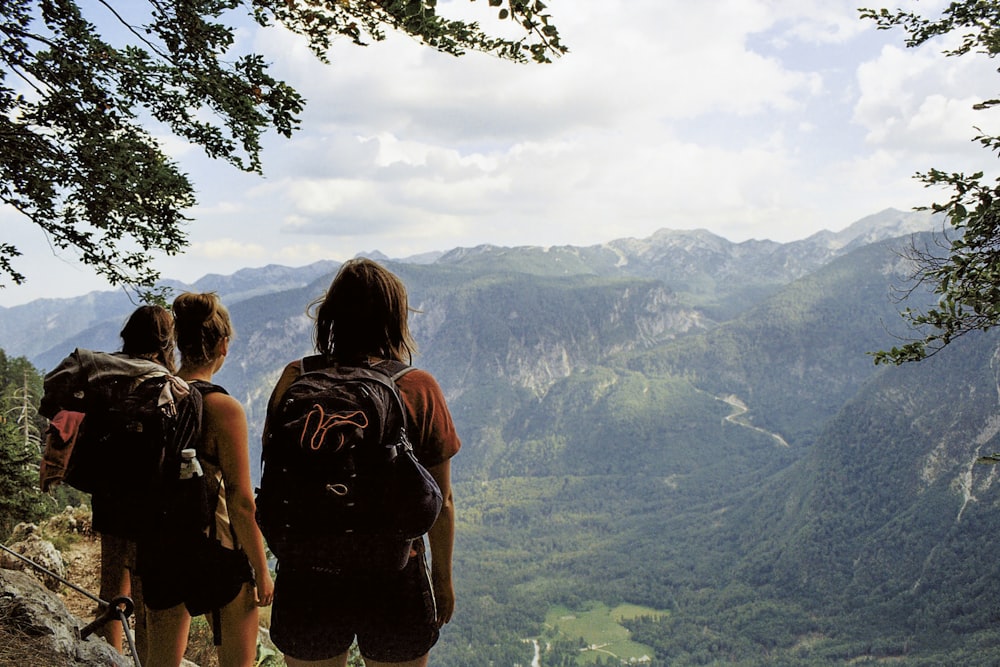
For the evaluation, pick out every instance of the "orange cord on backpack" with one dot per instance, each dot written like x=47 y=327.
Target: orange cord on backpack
x=323 y=423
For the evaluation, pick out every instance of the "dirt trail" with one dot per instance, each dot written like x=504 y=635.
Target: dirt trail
x=83 y=569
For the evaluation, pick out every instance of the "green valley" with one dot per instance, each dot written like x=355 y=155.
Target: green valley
x=679 y=448
x=598 y=633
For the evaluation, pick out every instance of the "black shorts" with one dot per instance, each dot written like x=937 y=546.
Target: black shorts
x=316 y=616
x=203 y=575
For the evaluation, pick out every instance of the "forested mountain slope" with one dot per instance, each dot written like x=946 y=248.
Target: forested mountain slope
x=695 y=427
x=795 y=358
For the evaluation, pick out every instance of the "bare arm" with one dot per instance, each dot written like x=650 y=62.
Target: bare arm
x=228 y=426
x=442 y=541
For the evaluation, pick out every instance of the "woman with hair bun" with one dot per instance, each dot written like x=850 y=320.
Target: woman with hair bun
x=231 y=577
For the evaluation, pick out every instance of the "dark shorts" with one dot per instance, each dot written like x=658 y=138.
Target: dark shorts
x=316 y=616
x=203 y=575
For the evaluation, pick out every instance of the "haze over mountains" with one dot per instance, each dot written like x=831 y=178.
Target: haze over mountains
x=679 y=422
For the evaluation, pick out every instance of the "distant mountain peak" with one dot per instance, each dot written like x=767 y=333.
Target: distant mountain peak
x=887 y=224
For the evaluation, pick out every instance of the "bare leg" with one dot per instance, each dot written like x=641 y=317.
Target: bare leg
x=115 y=582
x=419 y=662
x=339 y=661
x=167 y=635
x=240 y=626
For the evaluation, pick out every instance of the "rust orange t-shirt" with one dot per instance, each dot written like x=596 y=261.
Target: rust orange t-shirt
x=429 y=424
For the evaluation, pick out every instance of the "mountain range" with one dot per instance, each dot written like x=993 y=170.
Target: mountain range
x=683 y=424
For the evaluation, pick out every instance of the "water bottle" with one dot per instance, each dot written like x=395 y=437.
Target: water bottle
x=190 y=466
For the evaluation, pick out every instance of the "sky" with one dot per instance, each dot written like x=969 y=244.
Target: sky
x=753 y=119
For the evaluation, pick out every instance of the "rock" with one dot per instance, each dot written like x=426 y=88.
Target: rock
x=23 y=531
x=72 y=520
x=33 y=547
x=37 y=629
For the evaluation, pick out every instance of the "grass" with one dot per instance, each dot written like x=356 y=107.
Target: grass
x=600 y=628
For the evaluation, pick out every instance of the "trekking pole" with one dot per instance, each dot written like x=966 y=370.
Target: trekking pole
x=54 y=575
x=123 y=619
x=118 y=609
x=110 y=611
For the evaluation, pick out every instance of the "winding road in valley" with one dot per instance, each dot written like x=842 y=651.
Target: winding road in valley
x=736 y=417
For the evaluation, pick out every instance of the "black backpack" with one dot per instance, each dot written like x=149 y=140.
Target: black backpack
x=127 y=454
x=340 y=487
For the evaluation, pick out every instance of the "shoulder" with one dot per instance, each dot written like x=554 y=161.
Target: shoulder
x=291 y=371
x=418 y=379
x=419 y=386
x=289 y=374
x=207 y=388
x=219 y=404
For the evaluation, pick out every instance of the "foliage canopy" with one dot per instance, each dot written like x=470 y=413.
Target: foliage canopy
x=84 y=86
x=966 y=275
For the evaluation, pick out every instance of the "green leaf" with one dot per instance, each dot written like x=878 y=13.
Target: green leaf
x=78 y=161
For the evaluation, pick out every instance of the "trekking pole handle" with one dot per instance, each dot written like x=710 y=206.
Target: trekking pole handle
x=110 y=612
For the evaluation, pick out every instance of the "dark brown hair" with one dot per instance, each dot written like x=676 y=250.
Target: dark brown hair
x=201 y=322
x=149 y=333
x=364 y=313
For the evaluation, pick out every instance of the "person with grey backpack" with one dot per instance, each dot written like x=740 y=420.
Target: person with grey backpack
x=114 y=419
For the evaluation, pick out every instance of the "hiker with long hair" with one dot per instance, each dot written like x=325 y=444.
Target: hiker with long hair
x=228 y=575
x=396 y=616
x=148 y=334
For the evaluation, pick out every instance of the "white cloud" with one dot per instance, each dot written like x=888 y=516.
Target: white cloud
x=553 y=149
x=299 y=255
x=919 y=102
x=636 y=58
x=752 y=118
x=329 y=196
x=227 y=248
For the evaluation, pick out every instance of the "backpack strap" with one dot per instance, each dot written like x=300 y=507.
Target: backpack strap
x=314 y=362
x=390 y=367
x=206 y=388
x=394 y=369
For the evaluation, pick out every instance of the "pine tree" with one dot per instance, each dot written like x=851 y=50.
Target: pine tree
x=20 y=444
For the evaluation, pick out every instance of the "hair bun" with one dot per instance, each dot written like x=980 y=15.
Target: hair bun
x=200 y=321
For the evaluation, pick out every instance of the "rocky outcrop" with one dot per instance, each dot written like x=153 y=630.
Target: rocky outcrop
x=36 y=629
x=29 y=544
